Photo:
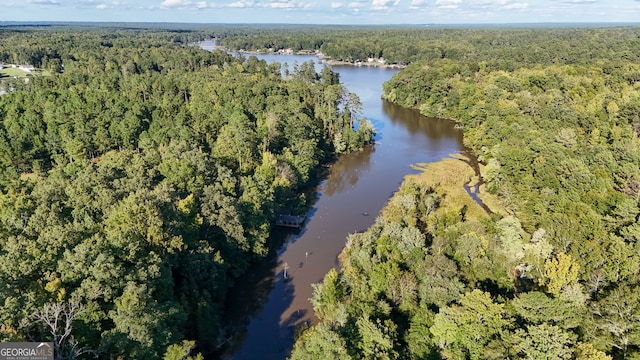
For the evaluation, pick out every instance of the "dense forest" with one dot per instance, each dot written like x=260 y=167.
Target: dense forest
x=141 y=176
x=498 y=48
x=552 y=272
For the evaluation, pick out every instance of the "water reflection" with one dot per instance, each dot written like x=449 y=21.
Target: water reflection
x=346 y=172
x=247 y=299
x=415 y=123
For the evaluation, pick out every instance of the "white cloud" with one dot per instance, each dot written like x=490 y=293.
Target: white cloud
x=279 y=4
x=516 y=6
x=489 y=4
x=190 y=5
x=383 y=4
x=174 y=4
x=356 y=4
x=503 y=5
x=336 y=5
x=241 y=4
x=417 y=4
x=44 y=2
x=101 y=6
x=448 y=4
x=275 y=4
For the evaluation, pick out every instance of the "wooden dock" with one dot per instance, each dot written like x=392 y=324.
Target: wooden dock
x=291 y=221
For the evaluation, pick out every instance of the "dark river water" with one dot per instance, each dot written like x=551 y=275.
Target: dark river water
x=265 y=308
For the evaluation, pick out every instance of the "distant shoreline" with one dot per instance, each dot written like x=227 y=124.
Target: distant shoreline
x=365 y=63
x=322 y=57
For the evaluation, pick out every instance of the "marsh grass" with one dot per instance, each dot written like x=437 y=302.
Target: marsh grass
x=449 y=175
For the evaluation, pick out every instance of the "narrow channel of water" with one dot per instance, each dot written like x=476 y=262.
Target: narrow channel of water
x=264 y=305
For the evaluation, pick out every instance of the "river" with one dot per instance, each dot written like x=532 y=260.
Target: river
x=265 y=307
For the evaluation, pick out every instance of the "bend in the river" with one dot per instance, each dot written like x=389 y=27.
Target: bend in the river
x=267 y=307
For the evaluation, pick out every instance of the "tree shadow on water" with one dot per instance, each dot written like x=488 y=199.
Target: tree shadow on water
x=254 y=316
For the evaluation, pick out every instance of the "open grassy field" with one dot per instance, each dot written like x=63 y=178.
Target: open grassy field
x=11 y=72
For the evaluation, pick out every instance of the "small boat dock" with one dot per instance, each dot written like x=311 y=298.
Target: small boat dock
x=291 y=221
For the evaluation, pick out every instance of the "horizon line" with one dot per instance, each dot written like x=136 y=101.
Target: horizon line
x=538 y=23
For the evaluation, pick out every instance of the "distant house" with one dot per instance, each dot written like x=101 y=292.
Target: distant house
x=26 y=68
x=286 y=51
x=378 y=60
x=1 y=66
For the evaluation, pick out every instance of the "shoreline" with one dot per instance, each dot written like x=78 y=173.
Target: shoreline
x=321 y=57
x=363 y=63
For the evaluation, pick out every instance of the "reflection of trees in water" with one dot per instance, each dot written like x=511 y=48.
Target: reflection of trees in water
x=415 y=122
x=347 y=170
x=248 y=297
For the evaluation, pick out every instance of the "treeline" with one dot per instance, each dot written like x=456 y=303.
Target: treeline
x=557 y=275
x=499 y=48
x=141 y=177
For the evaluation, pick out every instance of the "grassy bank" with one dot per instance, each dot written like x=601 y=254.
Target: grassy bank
x=449 y=177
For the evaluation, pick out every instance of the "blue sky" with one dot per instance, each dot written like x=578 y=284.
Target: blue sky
x=324 y=11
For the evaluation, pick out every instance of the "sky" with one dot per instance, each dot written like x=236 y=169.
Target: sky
x=325 y=11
